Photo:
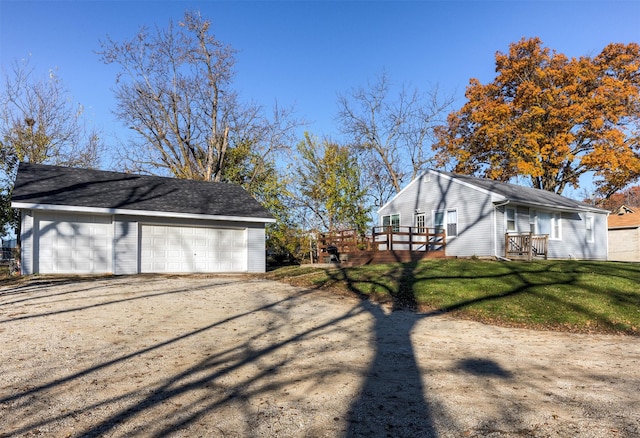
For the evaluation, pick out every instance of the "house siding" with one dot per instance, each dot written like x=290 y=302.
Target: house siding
x=482 y=219
x=573 y=242
x=601 y=241
x=430 y=193
x=569 y=244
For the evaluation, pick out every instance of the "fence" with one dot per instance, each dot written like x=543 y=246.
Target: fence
x=526 y=245
x=7 y=254
x=387 y=238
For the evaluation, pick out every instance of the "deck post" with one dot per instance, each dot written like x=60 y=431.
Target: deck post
x=506 y=245
x=410 y=239
x=374 y=246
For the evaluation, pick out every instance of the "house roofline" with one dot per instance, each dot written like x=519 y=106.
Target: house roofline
x=129 y=212
x=499 y=197
x=442 y=175
x=558 y=208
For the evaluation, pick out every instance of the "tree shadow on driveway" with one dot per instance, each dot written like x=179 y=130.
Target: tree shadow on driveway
x=182 y=358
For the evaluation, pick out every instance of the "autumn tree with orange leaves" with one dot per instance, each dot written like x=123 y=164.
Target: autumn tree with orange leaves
x=551 y=119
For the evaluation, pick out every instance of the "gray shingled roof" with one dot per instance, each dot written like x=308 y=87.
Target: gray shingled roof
x=523 y=195
x=55 y=185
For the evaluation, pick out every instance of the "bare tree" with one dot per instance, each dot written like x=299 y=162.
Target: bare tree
x=393 y=136
x=174 y=90
x=40 y=123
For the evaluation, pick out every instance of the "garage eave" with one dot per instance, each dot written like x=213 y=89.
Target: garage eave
x=146 y=213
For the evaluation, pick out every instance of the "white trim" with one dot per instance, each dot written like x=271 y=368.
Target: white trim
x=495 y=228
x=590 y=223
x=424 y=221
x=182 y=225
x=390 y=221
x=112 y=211
x=515 y=219
x=556 y=221
x=473 y=186
x=555 y=207
x=445 y=221
x=628 y=227
x=555 y=218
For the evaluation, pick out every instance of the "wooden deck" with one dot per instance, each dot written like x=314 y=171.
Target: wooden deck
x=383 y=245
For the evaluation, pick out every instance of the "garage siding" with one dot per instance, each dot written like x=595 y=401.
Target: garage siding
x=256 y=255
x=125 y=247
x=27 y=249
x=49 y=236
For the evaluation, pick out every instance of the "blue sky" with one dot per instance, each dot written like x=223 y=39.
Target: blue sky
x=303 y=53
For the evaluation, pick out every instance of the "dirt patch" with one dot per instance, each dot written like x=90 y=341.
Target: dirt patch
x=244 y=357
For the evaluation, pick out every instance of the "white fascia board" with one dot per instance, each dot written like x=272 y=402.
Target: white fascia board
x=473 y=186
x=96 y=210
x=559 y=208
x=418 y=178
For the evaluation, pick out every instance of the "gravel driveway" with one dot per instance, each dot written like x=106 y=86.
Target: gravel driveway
x=236 y=356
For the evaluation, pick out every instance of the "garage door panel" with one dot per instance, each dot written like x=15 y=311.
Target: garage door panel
x=75 y=244
x=192 y=249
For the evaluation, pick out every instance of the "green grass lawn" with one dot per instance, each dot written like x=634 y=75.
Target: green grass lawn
x=569 y=295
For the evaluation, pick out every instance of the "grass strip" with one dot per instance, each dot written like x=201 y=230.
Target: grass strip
x=568 y=295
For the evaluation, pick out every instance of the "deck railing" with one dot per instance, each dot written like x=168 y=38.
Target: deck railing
x=526 y=245
x=387 y=238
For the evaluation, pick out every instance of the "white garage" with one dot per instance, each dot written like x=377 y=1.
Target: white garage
x=192 y=249
x=74 y=244
x=85 y=221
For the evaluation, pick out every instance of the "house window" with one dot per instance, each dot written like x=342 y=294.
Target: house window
x=448 y=220
x=391 y=220
x=556 y=230
x=532 y=221
x=420 y=223
x=589 y=227
x=547 y=223
x=510 y=216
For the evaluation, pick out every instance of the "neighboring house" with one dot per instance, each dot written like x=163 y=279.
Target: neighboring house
x=476 y=214
x=624 y=234
x=91 y=221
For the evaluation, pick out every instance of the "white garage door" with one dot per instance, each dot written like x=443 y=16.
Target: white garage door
x=75 y=244
x=189 y=249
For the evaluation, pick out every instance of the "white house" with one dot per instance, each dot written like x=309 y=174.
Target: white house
x=79 y=221
x=476 y=214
